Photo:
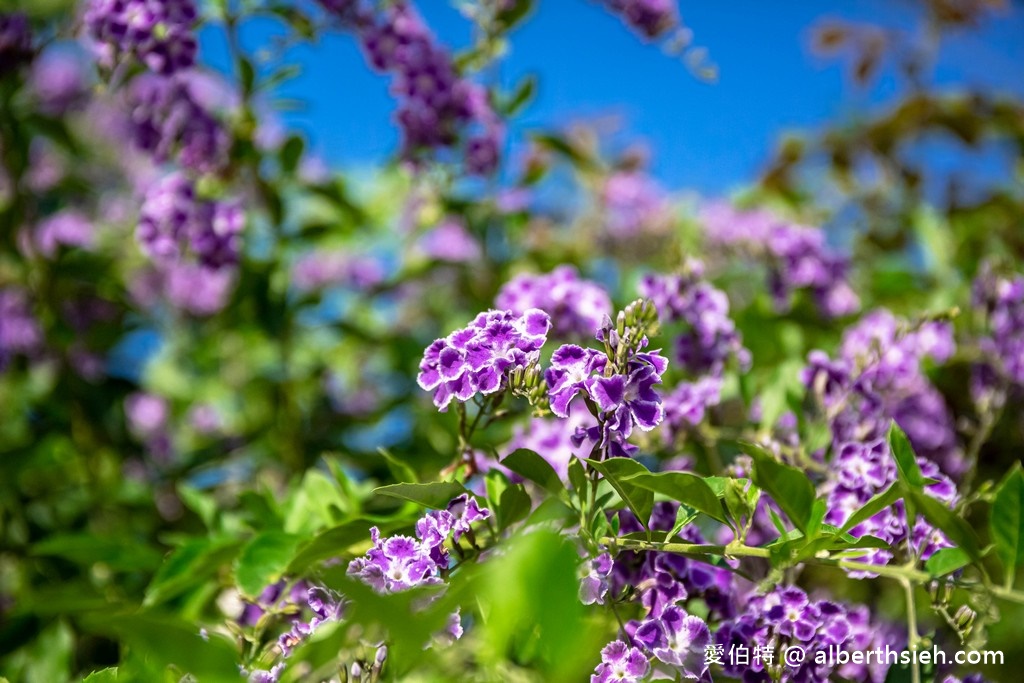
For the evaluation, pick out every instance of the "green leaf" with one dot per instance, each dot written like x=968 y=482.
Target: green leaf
x=189 y=566
x=522 y=95
x=906 y=461
x=682 y=487
x=263 y=560
x=435 y=495
x=108 y=675
x=165 y=640
x=1006 y=521
x=120 y=554
x=789 y=487
x=291 y=154
x=955 y=528
x=946 y=561
x=399 y=470
x=878 y=502
x=615 y=471
x=531 y=466
x=334 y=542
x=514 y=505
x=577 y=476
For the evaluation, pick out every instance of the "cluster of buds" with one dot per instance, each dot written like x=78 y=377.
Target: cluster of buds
x=628 y=335
x=528 y=382
x=365 y=671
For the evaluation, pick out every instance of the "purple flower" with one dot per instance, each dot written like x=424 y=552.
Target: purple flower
x=394 y=564
x=577 y=307
x=465 y=511
x=167 y=121
x=620 y=663
x=174 y=223
x=796 y=256
x=157 y=32
x=710 y=337
x=437 y=110
x=630 y=399
x=65 y=228
x=686 y=404
x=595 y=583
x=147 y=413
x=475 y=359
x=450 y=241
x=633 y=205
x=197 y=289
x=651 y=18
x=570 y=372
x=20 y=333
x=58 y=82
x=1003 y=300
x=677 y=639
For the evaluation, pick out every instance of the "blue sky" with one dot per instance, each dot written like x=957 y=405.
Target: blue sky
x=707 y=137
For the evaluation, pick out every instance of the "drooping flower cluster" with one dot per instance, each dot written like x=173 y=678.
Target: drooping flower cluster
x=651 y=18
x=193 y=243
x=477 y=358
x=438 y=109
x=168 y=122
x=577 y=307
x=687 y=404
x=796 y=256
x=878 y=377
x=20 y=333
x=785 y=617
x=710 y=338
x=157 y=32
x=1003 y=301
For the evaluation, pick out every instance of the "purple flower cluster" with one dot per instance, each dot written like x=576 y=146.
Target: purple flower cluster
x=650 y=18
x=878 y=376
x=686 y=405
x=438 y=109
x=157 y=32
x=621 y=663
x=312 y=606
x=577 y=307
x=1003 y=300
x=623 y=399
x=858 y=472
x=15 y=41
x=167 y=121
x=785 y=616
x=20 y=333
x=476 y=358
x=398 y=563
x=797 y=256
x=193 y=243
x=633 y=205
x=175 y=222
x=710 y=338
